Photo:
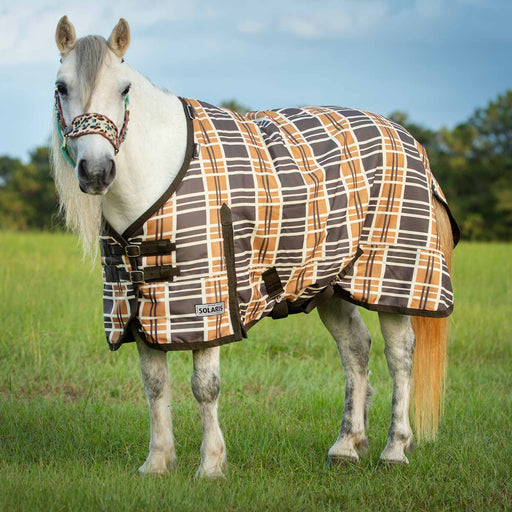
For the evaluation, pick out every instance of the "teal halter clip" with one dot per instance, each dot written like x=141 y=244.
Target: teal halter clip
x=89 y=124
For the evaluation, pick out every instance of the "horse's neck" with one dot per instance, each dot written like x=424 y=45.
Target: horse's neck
x=150 y=157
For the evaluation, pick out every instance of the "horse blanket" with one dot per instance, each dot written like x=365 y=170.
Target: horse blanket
x=272 y=212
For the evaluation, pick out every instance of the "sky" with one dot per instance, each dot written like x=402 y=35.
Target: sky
x=437 y=60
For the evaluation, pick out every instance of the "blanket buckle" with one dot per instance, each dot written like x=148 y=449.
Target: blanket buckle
x=132 y=251
x=137 y=276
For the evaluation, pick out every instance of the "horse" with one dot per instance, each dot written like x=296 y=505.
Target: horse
x=106 y=175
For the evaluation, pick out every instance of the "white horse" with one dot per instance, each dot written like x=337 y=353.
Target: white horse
x=94 y=78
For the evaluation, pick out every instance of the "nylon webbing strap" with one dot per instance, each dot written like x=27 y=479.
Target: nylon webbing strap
x=274 y=289
x=146 y=248
x=272 y=282
x=280 y=310
x=145 y=275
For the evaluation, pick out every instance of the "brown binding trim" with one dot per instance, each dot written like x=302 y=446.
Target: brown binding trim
x=229 y=257
x=134 y=226
x=197 y=345
x=345 y=295
x=108 y=230
x=128 y=337
x=456 y=234
x=318 y=299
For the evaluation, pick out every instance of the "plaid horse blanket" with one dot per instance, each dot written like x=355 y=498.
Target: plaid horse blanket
x=272 y=212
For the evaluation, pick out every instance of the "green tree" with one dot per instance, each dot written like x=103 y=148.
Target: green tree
x=28 y=199
x=479 y=158
x=493 y=127
x=423 y=135
x=473 y=164
x=234 y=105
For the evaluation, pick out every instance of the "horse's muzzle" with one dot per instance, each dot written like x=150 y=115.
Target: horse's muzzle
x=95 y=176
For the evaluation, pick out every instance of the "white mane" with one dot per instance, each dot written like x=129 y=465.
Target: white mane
x=81 y=211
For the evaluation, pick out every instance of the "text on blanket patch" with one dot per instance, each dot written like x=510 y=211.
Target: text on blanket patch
x=210 y=309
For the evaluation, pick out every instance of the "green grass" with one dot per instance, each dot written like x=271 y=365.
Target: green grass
x=74 y=425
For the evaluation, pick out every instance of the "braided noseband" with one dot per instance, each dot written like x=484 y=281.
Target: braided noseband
x=88 y=124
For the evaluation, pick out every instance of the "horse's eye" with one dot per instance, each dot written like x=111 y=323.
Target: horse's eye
x=63 y=90
x=126 y=90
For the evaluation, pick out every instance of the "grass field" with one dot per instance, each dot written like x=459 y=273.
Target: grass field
x=74 y=425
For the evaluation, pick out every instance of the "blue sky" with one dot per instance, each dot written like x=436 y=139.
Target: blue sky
x=437 y=60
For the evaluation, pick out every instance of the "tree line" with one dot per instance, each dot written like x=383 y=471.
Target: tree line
x=472 y=162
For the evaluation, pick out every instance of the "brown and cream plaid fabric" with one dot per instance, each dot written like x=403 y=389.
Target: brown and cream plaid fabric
x=326 y=198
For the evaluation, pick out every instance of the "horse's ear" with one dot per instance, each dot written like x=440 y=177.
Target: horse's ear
x=120 y=38
x=65 y=35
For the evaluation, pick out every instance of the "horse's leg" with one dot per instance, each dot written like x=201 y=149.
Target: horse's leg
x=344 y=322
x=155 y=377
x=206 y=389
x=399 y=348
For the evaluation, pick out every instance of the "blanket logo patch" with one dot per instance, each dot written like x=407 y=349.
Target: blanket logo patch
x=218 y=308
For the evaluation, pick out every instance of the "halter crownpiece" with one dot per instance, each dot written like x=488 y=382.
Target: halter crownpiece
x=90 y=124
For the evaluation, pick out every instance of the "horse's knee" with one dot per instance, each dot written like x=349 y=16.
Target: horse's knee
x=205 y=385
x=397 y=330
x=154 y=383
x=155 y=374
x=399 y=341
x=359 y=348
x=352 y=337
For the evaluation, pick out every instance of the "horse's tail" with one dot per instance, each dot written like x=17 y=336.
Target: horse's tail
x=430 y=353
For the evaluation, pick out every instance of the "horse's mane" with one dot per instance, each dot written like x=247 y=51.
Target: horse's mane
x=81 y=211
x=90 y=53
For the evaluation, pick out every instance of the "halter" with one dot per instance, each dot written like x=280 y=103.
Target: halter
x=87 y=124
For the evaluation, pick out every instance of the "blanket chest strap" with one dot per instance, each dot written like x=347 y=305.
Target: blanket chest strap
x=145 y=248
x=144 y=275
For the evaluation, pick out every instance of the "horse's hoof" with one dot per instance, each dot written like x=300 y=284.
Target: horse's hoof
x=216 y=474
x=340 y=460
x=214 y=470
x=362 y=446
x=393 y=462
x=154 y=472
x=157 y=467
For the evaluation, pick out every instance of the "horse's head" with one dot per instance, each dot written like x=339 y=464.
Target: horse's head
x=91 y=99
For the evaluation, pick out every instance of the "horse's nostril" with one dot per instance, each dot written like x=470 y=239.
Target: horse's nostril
x=97 y=173
x=110 y=171
x=82 y=168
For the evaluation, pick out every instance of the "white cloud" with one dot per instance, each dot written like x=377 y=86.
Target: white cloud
x=352 y=19
x=300 y=27
x=429 y=8
x=252 y=27
x=333 y=19
x=27 y=27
